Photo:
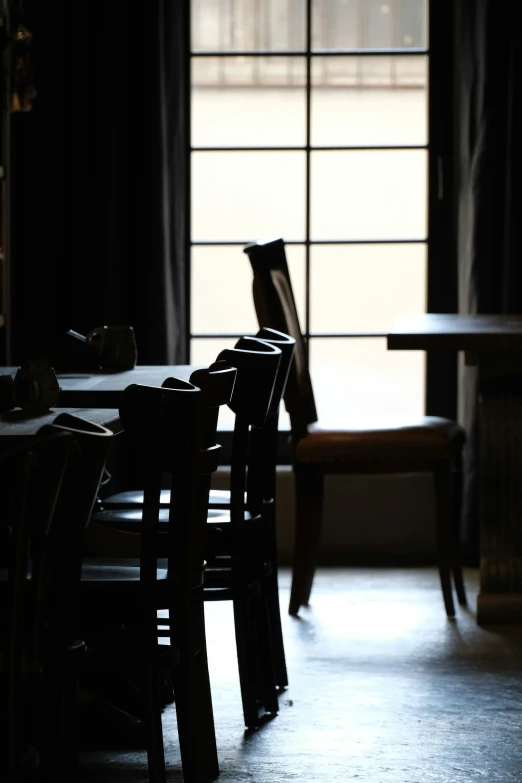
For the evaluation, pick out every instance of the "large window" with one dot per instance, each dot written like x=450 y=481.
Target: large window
x=309 y=122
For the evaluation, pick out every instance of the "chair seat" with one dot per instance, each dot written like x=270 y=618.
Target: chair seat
x=129 y=519
x=116 y=570
x=428 y=438
x=219 y=498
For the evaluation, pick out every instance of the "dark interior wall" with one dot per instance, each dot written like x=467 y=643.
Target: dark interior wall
x=96 y=234
x=489 y=68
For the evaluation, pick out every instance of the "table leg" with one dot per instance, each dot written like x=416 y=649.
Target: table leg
x=500 y=477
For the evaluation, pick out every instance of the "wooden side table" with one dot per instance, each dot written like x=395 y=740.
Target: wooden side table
x=492 y=343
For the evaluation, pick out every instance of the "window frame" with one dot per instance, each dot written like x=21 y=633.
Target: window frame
x=440 y=241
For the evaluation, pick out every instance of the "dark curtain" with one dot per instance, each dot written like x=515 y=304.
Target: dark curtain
x=490 y=196
x=100 y=177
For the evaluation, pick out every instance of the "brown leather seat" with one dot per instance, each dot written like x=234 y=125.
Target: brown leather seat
x=429 y=438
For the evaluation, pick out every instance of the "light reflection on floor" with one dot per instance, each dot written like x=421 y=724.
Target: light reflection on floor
x=383 y=689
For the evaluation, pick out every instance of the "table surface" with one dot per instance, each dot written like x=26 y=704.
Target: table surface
x=18 y=423
x=453 y=332
x=103 y=390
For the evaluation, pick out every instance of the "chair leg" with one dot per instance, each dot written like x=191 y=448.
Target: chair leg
x=267 y=691
x=442 y=481
x=55 y=726
x=308 y=520
x=71 y=724
x=248 y=657
x=276 y=631
x=197 y=736
x=204 y=698
x=457 y=513
x=155 y=750
x=271 y=587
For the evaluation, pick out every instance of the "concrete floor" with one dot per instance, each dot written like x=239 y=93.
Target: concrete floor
x=383 y=689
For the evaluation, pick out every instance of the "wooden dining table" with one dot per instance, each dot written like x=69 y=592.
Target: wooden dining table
x=103 y=390
x=492 y=345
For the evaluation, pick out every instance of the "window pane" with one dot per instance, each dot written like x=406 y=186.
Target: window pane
x=369 y=24
x=240 y=25
x=369 y=195
x=363 y=288
x=248 y=101
x=248 y=195
x=343 y=114
x=221 y=288
x=357 y=382
x=205 y=351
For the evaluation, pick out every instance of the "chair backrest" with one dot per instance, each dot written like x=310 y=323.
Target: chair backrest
x=286 y=345
x=80 y=488
x=275 y=307
x=257 y=363
x=172 y=431
x=263 y=447
x=216 y=384
x=31 y=477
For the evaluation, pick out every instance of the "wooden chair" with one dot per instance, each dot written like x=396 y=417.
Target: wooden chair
x=240 y=544
x=262 y=458
x=171 y=433
x=263 y=461
x=78 y=492
x=262 y=464
x=430 y=445
x=239 y=570
x=85 y=469
x=31 y=476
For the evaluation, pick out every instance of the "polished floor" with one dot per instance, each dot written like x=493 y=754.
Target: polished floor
x=383 y=689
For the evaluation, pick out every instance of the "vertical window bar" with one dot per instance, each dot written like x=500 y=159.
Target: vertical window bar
x=190 y=22
x=308 y=142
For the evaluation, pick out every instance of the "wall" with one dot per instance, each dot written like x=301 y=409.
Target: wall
x=368 y=519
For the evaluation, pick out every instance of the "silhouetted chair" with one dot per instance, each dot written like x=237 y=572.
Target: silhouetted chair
x=61 y=569
x=31 y=476
x=80 y=486
x=171 y=431
x=261 y=482
x=241 y=547
x=240 y=550
x=431 y=444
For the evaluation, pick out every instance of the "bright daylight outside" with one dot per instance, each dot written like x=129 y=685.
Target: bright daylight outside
x=367 y=196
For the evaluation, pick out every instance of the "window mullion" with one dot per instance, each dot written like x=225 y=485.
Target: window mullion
x=308 y=195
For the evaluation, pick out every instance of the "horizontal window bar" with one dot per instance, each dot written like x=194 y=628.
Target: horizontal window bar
x=312 y=335
x=311 y=242
x=330 y=335
x=408 y=52
x=259 y=87
x=217 y=335
x=312 y=148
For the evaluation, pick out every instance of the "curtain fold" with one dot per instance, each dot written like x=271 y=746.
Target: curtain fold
x=100 y=177
x=490 y=125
